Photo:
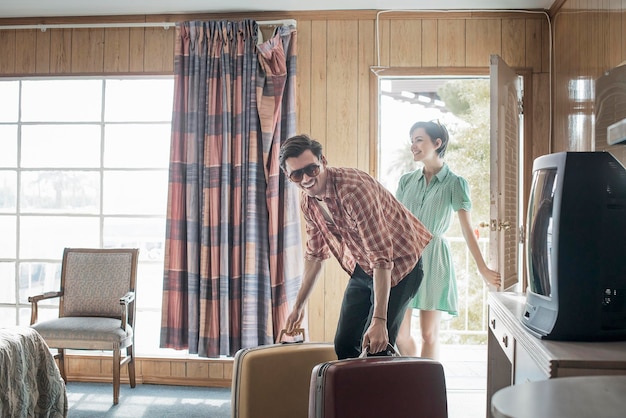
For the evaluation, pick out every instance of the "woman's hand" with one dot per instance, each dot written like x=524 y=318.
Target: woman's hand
x=492 y=277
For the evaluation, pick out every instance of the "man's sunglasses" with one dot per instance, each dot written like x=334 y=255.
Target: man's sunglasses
x=311 y=170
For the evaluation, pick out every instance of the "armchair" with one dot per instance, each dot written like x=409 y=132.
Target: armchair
x=96 y=307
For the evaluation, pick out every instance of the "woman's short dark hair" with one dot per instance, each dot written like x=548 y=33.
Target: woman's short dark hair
x=435 y=130
x=296 y=145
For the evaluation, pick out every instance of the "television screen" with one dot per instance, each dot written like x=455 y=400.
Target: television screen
x=540 y=222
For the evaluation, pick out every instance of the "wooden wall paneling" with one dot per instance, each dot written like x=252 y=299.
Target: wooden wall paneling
x=451 y=43
x=533 y=53
x=383 y=55
x=88 y=50
x=60 y=51
x=317 y=97
x=429 y=43
x=216 y=370
x=547 y=52
x=623 y=14
x=159 y=50
x=615 y=39
x=514 y=40
x=86 y=366
x=198 y=371
x=405 y=43
x=563 y=59
x=136 y=50
x=156 y=368
x=116 y=50
x=26 y=44
x=483 y=37
x=342 y=140
x=540 y=115
x=303 y=77
x=181 y=369
x=7 y=52
x=42 y=63
x=365 y=92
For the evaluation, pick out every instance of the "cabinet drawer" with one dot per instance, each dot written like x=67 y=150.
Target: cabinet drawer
x=504 y=338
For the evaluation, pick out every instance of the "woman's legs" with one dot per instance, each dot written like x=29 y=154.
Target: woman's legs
x=405 y=342
x=429 y=326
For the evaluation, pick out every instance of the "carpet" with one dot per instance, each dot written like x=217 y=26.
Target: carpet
x=147 y=401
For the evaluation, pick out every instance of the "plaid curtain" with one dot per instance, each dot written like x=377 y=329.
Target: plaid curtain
x=232 y=220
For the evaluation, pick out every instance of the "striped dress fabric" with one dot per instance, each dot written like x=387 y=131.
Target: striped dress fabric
x=434 y=205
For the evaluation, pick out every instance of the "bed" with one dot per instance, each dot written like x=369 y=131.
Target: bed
x=30 y=382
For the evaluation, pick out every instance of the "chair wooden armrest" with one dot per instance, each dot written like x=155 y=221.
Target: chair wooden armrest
x=125 y=301
x=35 y=299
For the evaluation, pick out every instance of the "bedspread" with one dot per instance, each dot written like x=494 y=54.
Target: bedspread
x=30 y=381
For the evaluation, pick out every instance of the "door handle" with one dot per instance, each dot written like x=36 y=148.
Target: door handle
x=495 y=225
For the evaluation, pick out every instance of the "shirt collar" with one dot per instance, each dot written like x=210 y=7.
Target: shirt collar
x=441 y=175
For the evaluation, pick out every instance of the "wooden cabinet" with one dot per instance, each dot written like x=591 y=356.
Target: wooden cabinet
x=516 y=356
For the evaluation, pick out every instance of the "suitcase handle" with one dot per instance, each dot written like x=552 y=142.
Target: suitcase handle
x=390 y=352
x=296 y=331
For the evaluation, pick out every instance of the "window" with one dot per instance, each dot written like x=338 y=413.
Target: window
x=84 y=163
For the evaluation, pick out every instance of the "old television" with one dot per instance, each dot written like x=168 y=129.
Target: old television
x=576 y=248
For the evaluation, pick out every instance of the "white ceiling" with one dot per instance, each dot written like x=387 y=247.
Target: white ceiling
x=51 y=8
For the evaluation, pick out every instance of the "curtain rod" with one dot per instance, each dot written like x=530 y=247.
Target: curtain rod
x=164 y=25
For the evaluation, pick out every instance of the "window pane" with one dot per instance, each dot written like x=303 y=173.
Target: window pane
x=150 y=284
x=8 y=191
x=7 y=283
x=9 y=105
x=38 y=278
x=7 y=317
x=46 y=236
x=140 y=146
x=139 y=100
x=8 y=143
x=135 y=192
x=60 y=191
x=61 y=100
x=61 y=146
x=147 y=234
x=8 y=232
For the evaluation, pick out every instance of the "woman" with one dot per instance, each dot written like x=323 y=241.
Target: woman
x=432 y=193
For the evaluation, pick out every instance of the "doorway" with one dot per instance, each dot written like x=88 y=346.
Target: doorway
x=462 y=104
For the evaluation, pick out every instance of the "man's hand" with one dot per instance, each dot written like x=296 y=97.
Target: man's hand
x=294 y=320
x=376 y=338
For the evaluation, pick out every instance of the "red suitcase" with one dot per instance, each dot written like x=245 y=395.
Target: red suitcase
x=378 y=387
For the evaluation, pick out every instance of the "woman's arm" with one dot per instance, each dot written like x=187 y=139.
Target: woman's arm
x=491 y=277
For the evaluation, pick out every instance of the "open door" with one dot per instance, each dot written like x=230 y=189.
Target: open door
x=505 y=217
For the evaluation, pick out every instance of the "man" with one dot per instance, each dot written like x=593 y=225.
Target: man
x=377 y=241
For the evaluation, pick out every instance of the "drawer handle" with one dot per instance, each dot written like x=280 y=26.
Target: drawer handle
x=493 y=323
x=505 y=340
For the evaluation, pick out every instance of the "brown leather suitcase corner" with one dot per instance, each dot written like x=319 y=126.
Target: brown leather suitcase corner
x=272 y=381
x=375 y=387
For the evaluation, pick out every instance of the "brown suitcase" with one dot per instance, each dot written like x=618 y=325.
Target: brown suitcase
x=375 y=387
x=273 y=380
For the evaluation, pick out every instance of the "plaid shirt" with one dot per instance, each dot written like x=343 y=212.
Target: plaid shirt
x=370 y=227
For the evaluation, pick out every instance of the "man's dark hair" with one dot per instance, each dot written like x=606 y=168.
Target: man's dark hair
x=296 y=145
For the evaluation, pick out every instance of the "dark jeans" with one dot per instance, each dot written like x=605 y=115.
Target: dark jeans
x=358 y=304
